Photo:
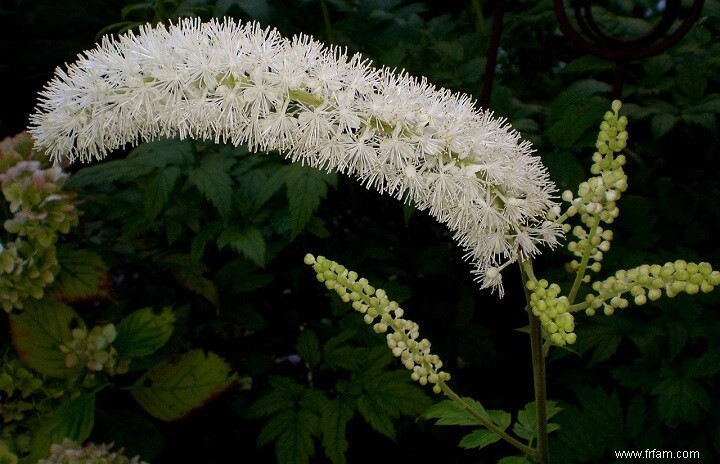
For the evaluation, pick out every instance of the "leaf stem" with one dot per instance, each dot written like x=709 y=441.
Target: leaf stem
x=486 y=422
x=539 y=373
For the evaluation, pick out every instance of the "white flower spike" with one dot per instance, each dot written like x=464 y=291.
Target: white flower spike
x=240 y=83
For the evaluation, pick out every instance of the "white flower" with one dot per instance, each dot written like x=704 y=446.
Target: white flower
x=243 y=84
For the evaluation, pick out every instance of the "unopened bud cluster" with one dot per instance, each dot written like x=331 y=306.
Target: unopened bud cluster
x=40 y=212
x=553 y=311
x=69 y=452
x=649 y=282
x=386 y=317
x=93 y=349
x=596 y=198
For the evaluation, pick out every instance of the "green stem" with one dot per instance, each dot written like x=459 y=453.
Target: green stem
x=583 y=265
x=326 y=20
x=486 y=422
x=539 y=373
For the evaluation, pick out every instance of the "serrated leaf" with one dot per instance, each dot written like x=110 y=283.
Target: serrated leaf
x=38 y=332
x=681 y=399
x=161 y=153
x=285 y=394
x=275 y=426
x=295 y=445
x=173 y=389
x=333 y=423
x=248 y=240
x=500 y=418
x=308 y=347
x=204 y=236
x=189 y=273
x=158 y=189
x=526 y=425
x=514 y=460
x=345 y=357
x=74 y=419
x=447 y=412
x=395 y=392
x=376 y=415
x=635 y=417
x=212 y=180
x=479 y=439
x=705 y=365
x=83 y=276
x=306 y=187
x=143 y=332
x=107 y=173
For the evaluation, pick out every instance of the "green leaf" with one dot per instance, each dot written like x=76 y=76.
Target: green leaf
x=212 y=180
x=74 y=419
x=479 y=439
x=295 y=444
x=526 y=425
x=162 y=153
x=107 y=173
x=143 y=332
x=308 y=347
x=501 y=418
x=249 y=241
x=38 y=332
x=333 y=423
x=514 y=460
x=681 y=399
x=448 y=413
x=204 y=236
x=83 y=276
x=158 y=189
x=285 y=394
x=173 y=389
x=306 y=186
x=635 y=417
x=376 y=415
x=189 y=273
x=662 y=124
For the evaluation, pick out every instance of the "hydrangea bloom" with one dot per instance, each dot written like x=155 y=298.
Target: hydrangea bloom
x=69 y=452
x=243 y=84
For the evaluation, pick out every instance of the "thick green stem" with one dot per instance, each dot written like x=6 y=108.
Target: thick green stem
x=486 y=422
x=539 y=375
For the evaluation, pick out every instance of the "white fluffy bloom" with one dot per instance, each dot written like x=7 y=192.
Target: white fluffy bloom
x=242 y=84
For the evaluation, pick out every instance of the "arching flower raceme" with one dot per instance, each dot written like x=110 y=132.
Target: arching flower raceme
x=242 y=84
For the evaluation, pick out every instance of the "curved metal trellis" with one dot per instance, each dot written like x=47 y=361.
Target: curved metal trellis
x=592 y=39
x=596 y=42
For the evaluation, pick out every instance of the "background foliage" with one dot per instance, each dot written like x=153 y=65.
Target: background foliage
x=219 y=235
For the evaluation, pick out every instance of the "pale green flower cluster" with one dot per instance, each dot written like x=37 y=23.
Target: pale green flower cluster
x=93 y=349
x=40 y=212
x=69 y=452
x=649 y=282
x=26 y=398
x=386 y=317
